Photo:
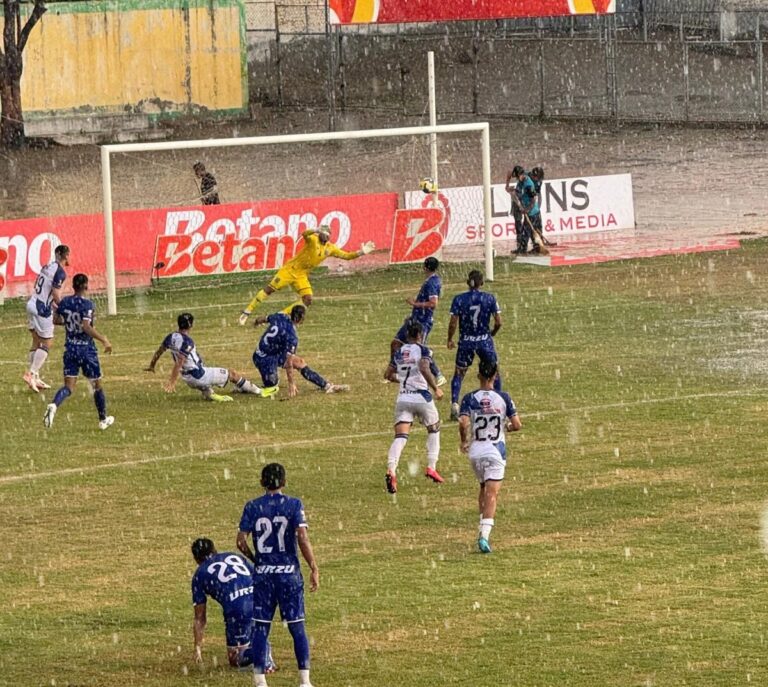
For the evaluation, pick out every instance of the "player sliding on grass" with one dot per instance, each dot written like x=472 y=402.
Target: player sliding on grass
x=317 y=247
x=483 y=417
x=277 y=348
x=189 y=366
x=410 y=369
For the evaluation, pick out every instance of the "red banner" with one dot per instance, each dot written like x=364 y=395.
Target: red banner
x=28 y=244
x=404 y=11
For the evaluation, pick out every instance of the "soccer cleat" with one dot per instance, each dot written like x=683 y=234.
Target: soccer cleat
x=244 y=317
x=335 y=388
x=391 y=480
x=483 y=546
x=269 y=391
x=434 y=475
x=40 y=384
x=218 y=398
x=50 y=413
x=454 y=412
x=31 y=381
x=106 y=422
x=441 y=380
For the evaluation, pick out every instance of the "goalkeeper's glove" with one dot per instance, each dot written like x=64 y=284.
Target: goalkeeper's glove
x=368 y=247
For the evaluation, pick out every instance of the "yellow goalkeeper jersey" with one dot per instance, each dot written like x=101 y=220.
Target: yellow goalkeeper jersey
x=313 y=253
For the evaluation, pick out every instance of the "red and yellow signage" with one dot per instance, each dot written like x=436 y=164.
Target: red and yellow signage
x=397 y=11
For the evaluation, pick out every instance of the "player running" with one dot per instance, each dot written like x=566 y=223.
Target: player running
x=484 y=416
x=228 y=579
x=76 y=314
x=317 y=247
x=277 y=348
x=423 y=312
x=189 y=366
x=40 y=306
x=410 y=369
x=277 y=525
x=472 y=312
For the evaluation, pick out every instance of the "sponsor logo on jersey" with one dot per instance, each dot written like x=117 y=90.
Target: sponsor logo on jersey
x=274 y=569
x=245 y=591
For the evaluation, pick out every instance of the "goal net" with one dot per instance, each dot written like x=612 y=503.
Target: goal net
x=270 y=189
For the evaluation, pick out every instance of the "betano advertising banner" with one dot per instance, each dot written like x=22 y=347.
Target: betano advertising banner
x=569 y=206
x=404 y=11
x=268 y=231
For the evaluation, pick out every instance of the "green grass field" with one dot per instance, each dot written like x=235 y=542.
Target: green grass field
x=627 y=546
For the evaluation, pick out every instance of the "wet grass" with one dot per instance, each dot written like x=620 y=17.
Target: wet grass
x=627 y=539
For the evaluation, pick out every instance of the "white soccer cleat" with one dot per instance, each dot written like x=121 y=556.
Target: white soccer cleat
x=106 y=422
x=244 y=317
x=50 y=413
x=335 y=388
x=31 y=381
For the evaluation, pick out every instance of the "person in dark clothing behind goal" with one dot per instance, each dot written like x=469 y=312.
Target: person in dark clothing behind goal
x=537 y=177
x=209 y=191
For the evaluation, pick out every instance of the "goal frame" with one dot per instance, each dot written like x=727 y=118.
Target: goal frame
x=106 y=174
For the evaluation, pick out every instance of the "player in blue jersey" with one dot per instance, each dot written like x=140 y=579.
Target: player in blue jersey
x=276 y=524
x=277 y=348
x=525 y=208
x=472 y=312
x=410 y=369
x=188 y=365
x=228 y=579
x=484 y=416
x=423 y=312
x=40 y=307
x=76 y=313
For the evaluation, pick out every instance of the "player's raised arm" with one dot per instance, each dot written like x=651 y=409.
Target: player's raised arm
x=336 y=252
x=302 y=536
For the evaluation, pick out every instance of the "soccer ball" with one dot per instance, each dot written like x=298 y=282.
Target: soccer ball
x=427 y=185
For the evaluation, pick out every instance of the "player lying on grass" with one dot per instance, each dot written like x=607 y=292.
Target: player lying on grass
x=410 y=368
x=277 y=526
x=76 y=314
x=228 y=579
x=277 y=348
x=483 y=417
x=317 y=247
x=189 y=366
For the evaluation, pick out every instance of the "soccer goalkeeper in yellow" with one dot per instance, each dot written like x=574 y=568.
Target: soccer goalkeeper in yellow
x=317 y=247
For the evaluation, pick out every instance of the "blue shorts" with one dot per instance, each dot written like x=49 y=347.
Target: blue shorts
x=485 y=350
x=268 y=366
x=86 y=360
x=271 y=591
x=238 y=630
x=402 y=333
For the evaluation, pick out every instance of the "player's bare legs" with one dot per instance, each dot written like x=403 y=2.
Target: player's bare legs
x=487 y=499
x=260 y=297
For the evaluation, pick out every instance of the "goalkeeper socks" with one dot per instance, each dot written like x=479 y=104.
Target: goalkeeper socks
x=486 y=525
x=396 y=450
x=311 y=376
x=61 y=395
x=455 y=388
x=38 y=358
x=300 y=647
x=260 y=297
x=433 y=448
x=101 y=403
x=497 y=383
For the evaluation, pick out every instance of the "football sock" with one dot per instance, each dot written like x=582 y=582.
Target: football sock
x=101 y=403
x=455 y=388
x=61 y=395
x=259 y=646
x=433 y=448
x=311 y=376
x=30 y=356
x=396 y=450
x=247 y=387
x=259 y=680
x=300 y=648
x=244 y=658
x=497 y=384
x=260 y=297
x=303 y=677
x=486 y=525
x=38 y=358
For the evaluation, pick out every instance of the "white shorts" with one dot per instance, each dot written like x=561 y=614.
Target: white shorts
x=424 y=411
x=43 y=326
x=486 y=461
x=212 y=376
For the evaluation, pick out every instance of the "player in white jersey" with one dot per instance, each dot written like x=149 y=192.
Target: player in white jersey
x=40 y=307
x=483 y=417
x=410 y=370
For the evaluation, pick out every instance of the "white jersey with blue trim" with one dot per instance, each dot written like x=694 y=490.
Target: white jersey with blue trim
x=51 y=277
x=413 y=385
x=181 y=346
x=488 y=412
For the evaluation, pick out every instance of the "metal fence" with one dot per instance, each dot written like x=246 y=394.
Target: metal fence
x=651 y=64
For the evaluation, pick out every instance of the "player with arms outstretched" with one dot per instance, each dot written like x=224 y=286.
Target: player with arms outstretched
x=276 y=524
x=410 y=368
x=188 y=365
x=472 y=312
x=228 y=579
x=277 y=348
x=76 y=313
x=317 y=247
x=40 y=306
x=483 y=417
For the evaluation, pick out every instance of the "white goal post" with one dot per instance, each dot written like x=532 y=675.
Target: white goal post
x=107 y=150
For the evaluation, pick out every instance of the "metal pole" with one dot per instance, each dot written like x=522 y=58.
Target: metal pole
x=541 y=77
x=487 y=219
x=432 y=122
x=760 y=66
x=331 y=73
x=277 y=59
x=109 y=237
